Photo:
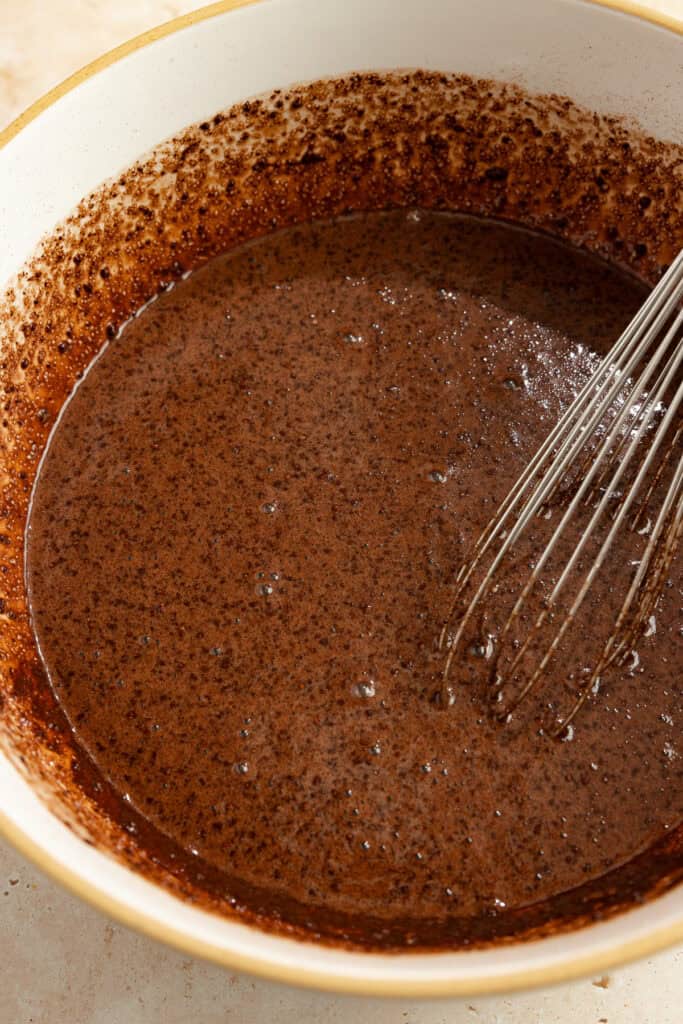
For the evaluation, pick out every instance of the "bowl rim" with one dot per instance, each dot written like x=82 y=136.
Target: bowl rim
x=328 y=980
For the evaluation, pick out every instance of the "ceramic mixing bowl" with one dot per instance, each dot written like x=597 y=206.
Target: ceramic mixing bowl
x=611 y=58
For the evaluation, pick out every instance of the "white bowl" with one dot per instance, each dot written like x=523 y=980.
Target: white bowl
x=100 y=121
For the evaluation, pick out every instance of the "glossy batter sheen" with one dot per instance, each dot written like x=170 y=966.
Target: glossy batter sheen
x=242 y=544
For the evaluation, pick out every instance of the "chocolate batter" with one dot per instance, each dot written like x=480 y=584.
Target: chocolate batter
x=241 y=547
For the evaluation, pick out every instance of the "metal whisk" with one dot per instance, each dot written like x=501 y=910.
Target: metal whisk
x=613 y=463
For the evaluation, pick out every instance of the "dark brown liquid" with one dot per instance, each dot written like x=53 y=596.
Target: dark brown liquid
x=242 y=544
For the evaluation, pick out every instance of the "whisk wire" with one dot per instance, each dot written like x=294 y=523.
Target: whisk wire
x=614 y=646
x=652 y=314
x=598 y=561
x=583 y=463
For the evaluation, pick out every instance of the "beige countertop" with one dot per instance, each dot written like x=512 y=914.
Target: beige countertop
x=63 y=962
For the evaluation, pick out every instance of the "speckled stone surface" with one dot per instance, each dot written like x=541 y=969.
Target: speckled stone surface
x=63 y=961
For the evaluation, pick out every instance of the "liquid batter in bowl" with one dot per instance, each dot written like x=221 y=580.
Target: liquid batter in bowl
x=242 y=543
